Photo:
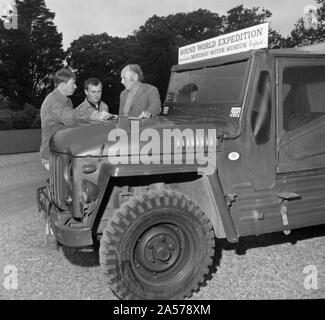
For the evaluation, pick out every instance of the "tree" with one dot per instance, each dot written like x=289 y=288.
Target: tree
x=31 y=53
x=160 y=37
x=239 y=18
x=276 y=40
x=195 y=26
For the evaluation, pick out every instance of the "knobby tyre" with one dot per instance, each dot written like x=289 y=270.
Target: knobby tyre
x=157 y=246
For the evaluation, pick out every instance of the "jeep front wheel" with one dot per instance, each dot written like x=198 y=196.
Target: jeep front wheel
x=157 y=246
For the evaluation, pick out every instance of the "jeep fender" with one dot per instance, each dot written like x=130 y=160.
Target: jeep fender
x=211 y=200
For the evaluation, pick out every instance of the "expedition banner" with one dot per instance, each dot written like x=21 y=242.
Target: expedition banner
x=239 y=41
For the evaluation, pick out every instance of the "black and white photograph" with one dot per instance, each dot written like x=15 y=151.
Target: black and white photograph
x=162 y=150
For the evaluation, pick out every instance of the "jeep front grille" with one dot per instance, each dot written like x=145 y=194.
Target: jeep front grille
x=58 y=186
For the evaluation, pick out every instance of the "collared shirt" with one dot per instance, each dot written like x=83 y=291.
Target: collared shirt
x=56 y=113
x=130 y=96
x=86 y=108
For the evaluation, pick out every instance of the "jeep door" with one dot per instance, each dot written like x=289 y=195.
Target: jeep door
x=301 y=137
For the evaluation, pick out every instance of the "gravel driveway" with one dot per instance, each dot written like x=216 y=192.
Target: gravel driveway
x=267 y=267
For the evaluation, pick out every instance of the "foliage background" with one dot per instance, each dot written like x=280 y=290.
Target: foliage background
x=30 y=55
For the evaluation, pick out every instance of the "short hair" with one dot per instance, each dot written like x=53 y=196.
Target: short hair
x=93 y=82
x=136 y=69
x=63 y=75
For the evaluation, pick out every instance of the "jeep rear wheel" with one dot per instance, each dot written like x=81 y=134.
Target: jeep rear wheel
x=158 y=246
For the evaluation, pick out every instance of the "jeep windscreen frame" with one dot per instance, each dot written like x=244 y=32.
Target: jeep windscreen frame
x=212 y=86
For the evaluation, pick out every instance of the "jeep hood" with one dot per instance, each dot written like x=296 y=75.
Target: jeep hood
x=92 y=139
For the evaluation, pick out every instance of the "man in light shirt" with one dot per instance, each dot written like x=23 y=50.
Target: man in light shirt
x=138 y=99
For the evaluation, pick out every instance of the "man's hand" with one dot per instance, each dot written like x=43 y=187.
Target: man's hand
x=101 y=115
x=145 y=115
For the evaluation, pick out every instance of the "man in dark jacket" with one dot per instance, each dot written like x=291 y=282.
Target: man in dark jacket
x=138 y=99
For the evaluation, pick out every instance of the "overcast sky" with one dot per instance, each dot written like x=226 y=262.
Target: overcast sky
x=121 y=17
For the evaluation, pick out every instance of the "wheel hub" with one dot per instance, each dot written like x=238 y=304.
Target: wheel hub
x=159 y=248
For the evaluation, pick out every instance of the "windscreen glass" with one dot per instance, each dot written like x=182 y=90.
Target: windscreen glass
x=217 y=86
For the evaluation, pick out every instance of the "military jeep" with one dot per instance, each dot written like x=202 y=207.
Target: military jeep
x=158 y=219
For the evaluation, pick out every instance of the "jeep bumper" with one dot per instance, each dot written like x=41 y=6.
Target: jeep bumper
x=73 y=235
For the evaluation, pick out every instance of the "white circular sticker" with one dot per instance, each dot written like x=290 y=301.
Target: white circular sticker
x=233 y=156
